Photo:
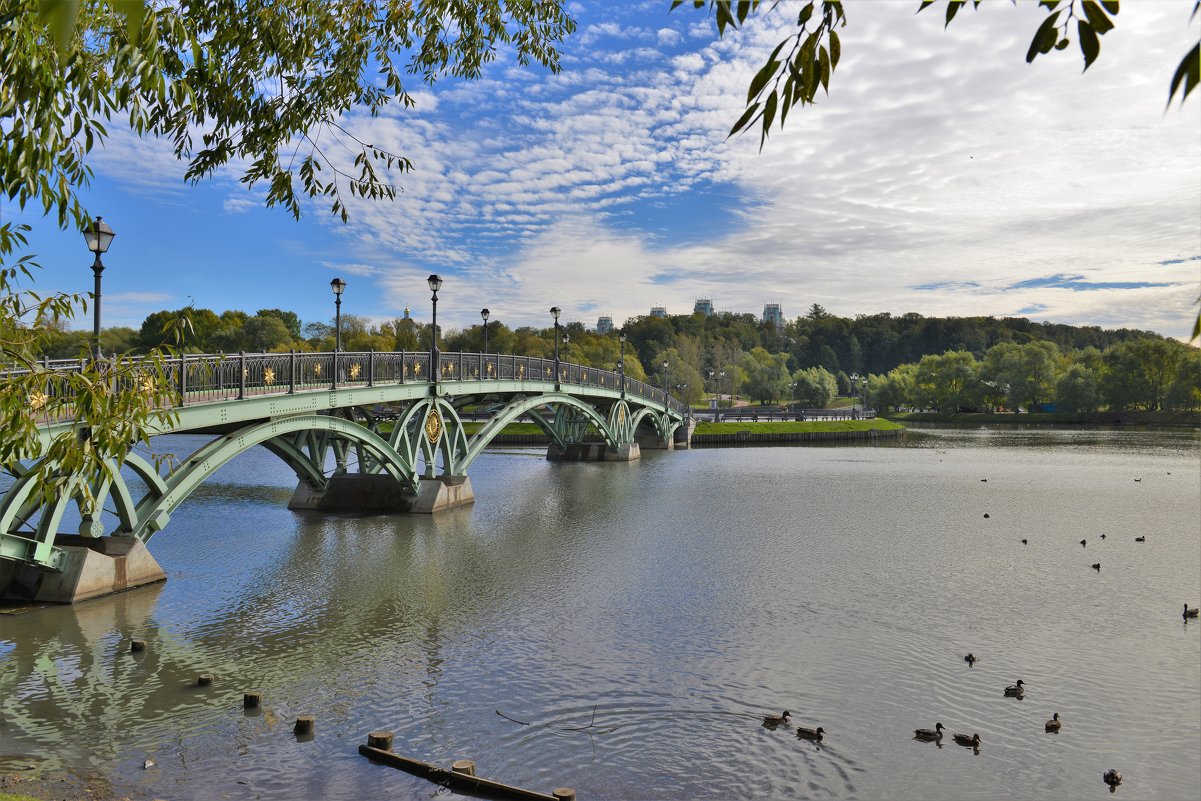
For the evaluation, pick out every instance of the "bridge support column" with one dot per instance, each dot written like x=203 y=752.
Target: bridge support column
x=380 y=493
x=94 y=566
x=653 y=442
x=593 y=452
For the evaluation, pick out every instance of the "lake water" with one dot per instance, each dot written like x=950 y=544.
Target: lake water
x=633 y=622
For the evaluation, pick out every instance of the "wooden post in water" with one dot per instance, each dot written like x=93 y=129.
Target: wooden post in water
x=304 y=725
x=464 y=766
x=252 y=700
x=137 y=646
x=380 y=739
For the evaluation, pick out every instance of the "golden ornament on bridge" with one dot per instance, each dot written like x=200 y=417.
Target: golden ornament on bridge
x=433 y=425
x=269 y=376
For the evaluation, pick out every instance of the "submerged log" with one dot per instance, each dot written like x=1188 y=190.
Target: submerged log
x=456 y=780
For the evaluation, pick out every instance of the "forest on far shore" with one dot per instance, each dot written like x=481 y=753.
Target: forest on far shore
x=908 y=360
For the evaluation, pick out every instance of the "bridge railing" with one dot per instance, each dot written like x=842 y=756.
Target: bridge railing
x=207 y=378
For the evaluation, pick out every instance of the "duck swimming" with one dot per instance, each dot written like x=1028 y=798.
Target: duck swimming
x=1189 y=612
x=1054 y=723
x=772 y=721
x=929 y=735
x=810 y=734
x=1016 y=690
x=971 y=660
x=968 y=742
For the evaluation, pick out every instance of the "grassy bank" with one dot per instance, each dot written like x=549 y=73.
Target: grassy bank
x=796 y=427
x=1183 y=419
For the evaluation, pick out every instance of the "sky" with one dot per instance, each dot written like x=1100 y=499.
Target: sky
x=941 y=175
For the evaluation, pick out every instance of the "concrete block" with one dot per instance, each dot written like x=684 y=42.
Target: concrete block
x=92 y=567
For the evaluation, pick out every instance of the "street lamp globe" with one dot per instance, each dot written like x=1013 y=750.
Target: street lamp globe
x=338 y=286
x=555 y=311
x=484 y=313
x=99 y=236
x=435 y=282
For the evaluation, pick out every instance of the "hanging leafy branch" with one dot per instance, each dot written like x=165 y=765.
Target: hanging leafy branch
x=814 y=49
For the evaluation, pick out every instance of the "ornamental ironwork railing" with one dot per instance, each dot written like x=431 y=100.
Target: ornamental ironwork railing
x=211 y=378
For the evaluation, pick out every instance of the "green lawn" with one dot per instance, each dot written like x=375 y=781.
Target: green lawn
x=791 y=427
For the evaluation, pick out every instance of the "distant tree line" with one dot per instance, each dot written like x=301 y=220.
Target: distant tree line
x=908 y=360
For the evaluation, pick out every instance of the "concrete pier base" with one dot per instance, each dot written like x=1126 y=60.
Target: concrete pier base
x=653 y=442
x=93 y=566
x=357 y=492
x=593 y=452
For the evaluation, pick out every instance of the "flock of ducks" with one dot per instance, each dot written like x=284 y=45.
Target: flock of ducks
x=1016 y=690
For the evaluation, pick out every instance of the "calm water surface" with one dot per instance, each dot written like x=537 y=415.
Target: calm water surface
x=639 y=619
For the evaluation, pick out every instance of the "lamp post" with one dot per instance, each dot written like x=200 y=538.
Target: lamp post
x=854 y=388
x=621 y=337
x=98 y=237
x=721 y=376
x=666 y=392
x=435 y=283
x=338 y=286
x=484 y=313
x=554 y=312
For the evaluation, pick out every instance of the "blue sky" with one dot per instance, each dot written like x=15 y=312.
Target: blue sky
x=943 y=175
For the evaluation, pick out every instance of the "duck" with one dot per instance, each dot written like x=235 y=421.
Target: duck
x=810 y=734
x=1097 y=566
x=1190 y=612
x=971 y=659
x=1112 y=777
x=1084 y=543
x=1054 y=723
x=1024 y=542
x=986 y=514
x=773 y=721
x=929 y=735
x=1140 y=539
x=1102 y=536
x=1016 y=690
x=968 y=742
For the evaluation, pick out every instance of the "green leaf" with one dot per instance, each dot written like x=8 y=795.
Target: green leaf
x=1189 y=72
x=835 y=50
x=769 y=116
x=953 y=7
x=925 y=4
x=744 y=119
x=805 y=15
x=1110 y=5
x=1044 y=38
x=1096 y=17
x=824 y=60
x=761 y=78
x=1089 y=44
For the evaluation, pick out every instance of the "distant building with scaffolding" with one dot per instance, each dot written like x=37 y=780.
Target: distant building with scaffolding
x=658 y=311
x=703 y=306
x=772 y=313
x=604 y=325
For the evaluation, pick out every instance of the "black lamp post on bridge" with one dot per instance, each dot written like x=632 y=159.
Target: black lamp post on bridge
x=484 y=314
x=555 y=311
x=621 y=337
x=99 y=236
x=435 y=283
x=338 y=286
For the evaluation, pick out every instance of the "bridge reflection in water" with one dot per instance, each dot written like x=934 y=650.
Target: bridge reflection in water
x=388 y=423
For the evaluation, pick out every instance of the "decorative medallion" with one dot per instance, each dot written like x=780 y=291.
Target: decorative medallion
x=37 y=400
x=355 y=369
x=417 y=369
x=317 y=370
x=269 y=376
x=521 y=371
x=489 y=368
x=621 y=415
x=146 y=385
x=433 y=425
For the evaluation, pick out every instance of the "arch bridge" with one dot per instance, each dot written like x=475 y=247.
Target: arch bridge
x=362 y=432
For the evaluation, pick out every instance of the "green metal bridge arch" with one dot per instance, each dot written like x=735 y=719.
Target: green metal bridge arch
x=309 y=409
